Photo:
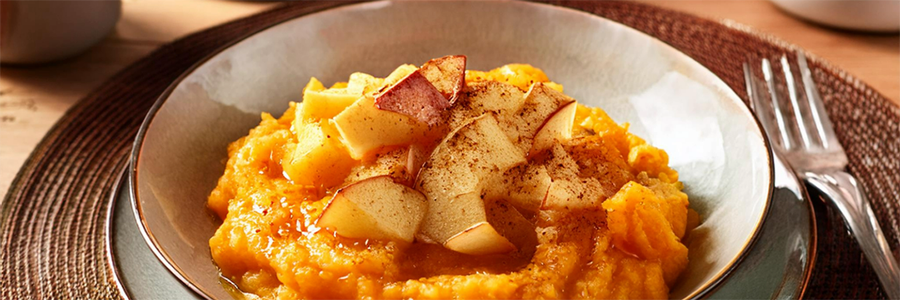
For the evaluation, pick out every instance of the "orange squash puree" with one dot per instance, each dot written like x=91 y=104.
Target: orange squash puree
x=269 y=247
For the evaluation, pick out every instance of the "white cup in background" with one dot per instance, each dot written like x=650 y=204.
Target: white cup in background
x=42 y=31
x=863 y=15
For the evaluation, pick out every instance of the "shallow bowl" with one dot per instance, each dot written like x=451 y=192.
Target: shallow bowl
x=669 y=99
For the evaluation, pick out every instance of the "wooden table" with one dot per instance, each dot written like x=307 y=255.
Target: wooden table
x=33 y=98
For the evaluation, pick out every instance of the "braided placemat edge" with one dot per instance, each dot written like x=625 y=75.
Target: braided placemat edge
x=42 y=159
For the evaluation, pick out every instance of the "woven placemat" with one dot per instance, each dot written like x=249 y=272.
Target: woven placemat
x=52 y=220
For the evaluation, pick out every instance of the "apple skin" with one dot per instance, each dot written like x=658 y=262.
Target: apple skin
x=390 y=162
x=512 y=225
x=480 y=239
x=375 y=208
x=504 y=231
x=414 y=96
x=417 y=154
x=447 y=74
x=540 y=103
x=519 y=114
x=558 y=126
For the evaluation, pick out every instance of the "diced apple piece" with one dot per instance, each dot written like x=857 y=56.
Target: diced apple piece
x=319 y=103
x=417 y=156
x=398 y=74
x=414 y=96
x=479 y=98
x=512 y=225
x=541 y=102
x=450 y=216
x=466 y=157
x=581 y=193
x=363 y=84
x=557 y=127
x=568 y=190
x=585 y=173
x=375 y=208
x=598 y=159
x=318 y=158
x=480 y=239
x=314 y=85
x=447 y=74
x=564 y=194
x=391 y=163
x=366 y=128
x=523 y=186
x=458 y=166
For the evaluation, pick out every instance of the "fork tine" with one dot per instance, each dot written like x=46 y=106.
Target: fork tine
x=799 y=119
x=750 y=83
x=784 y=132
x=823 y=125
x=761 y=108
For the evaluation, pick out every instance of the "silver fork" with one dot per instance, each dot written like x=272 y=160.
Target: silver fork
x=801 y=131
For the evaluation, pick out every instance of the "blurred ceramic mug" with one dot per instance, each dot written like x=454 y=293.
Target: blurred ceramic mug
x=864 y=15
x=38 y=31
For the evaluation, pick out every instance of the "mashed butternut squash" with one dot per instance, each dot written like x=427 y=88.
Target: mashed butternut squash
x=280 y=176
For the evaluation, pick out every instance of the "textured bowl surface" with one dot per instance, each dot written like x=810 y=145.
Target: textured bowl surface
x=668 y=98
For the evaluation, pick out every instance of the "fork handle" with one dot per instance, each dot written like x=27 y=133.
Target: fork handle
x=847 y=196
